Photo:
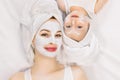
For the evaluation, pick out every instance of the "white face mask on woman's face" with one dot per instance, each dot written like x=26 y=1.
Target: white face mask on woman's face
x=48 y=40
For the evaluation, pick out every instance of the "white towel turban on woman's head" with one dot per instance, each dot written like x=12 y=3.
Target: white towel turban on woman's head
x=83 y=53
x=34 y=15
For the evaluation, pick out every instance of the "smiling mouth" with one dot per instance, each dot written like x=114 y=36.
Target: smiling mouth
x=51 y=49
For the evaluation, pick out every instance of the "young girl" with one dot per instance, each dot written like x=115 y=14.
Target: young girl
x=44 y=41
x=79 y=9
x=79 y=40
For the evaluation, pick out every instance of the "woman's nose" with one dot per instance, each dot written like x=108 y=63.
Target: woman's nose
x=52 y=40
x=51 y=43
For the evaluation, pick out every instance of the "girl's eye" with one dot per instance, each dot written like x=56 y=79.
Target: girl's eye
x=58 y=35
x=44 y=35
x=79 y=27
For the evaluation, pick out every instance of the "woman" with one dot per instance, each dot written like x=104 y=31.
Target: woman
x=45 y=41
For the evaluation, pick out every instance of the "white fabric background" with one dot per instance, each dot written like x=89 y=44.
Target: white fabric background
x=108 y=65
x=11 y=51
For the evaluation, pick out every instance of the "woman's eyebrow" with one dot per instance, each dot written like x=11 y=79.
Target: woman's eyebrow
x=58 y=31
x=45 y=30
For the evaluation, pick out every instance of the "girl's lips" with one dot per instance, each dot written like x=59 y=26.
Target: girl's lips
x=51 y=49
x=74 y=16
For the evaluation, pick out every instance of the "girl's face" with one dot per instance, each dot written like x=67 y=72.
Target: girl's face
x=76 y=26
x=49 y=38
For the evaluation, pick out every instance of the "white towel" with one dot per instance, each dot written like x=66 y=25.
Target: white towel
x=88 y=5
x=84 y=52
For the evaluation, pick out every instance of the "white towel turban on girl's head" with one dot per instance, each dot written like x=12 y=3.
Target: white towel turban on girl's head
x=88 y=5
x=80 y=53
x=34 y=15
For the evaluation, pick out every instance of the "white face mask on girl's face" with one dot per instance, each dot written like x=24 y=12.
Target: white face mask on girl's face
x=76 y=28
x=40 y=41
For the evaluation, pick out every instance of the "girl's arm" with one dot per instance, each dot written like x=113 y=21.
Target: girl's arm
x=99 y=5
x=61 y=5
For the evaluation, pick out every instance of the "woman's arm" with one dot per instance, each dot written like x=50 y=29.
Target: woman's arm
x=17 y=76
x=78 y=73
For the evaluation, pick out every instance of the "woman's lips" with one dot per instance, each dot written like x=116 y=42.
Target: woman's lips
x=51 y=49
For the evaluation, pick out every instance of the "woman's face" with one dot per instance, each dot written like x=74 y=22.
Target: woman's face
x=76 y=26
x=49 y=38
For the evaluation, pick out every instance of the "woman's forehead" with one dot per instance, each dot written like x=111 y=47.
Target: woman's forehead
x=51 y=26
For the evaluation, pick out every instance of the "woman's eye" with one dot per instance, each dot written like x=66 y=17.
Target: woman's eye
x=44 y=35
x=68 y=26
x=58 y=35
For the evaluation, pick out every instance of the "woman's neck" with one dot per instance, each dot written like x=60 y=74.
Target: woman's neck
x=44 y=65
